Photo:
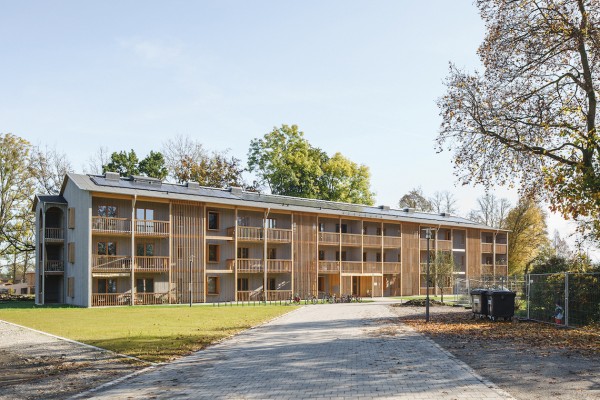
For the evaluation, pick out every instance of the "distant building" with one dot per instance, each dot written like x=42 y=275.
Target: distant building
x=107 y=240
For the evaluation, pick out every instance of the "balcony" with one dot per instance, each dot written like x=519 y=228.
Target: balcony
x=146 y=298
x=372 y=241
x=279 y=265
x=146 y=227
x=329 y=267
x=444 y=245
x=102 y=263
x=501 y=248
x=487 y=269
x=279 y=235
x=152 y=264
x=351 y=267
x=391 y=267
x=54 y=266
x=392 y=241
x=279 y=295
x=249 y=295
x=250 y=265
x=372 y=267
x=110 y=299
x=487 y=248
x=119 y=226
x=247 y=233
x=329 y=238
x=423 y=244
x=54 y=235
x=350 y=239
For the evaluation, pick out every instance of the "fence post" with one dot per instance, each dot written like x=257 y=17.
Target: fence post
x=566 y=299
x=528 y=288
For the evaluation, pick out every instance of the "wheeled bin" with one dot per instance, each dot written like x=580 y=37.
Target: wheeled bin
x=501 y=304
x=480 y=302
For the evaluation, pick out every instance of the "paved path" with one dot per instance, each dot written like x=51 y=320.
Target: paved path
x=353 y=351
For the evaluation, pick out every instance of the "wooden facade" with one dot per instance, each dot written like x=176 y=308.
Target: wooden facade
x=156 y=250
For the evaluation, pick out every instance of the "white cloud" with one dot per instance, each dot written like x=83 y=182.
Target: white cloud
x=155 y=52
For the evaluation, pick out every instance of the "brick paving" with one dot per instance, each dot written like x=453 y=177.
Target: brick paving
x=341 y=351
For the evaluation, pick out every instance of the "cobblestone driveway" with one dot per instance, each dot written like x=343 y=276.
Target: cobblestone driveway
x=337 y=351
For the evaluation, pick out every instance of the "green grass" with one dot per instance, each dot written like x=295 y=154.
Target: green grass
x=151 y=333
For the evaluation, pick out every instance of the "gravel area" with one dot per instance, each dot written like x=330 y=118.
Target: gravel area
x=38 y=366
x=524 y=371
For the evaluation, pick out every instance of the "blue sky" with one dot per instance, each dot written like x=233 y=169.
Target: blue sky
x=359 y=77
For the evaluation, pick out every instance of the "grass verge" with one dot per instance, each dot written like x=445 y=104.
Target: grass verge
x=151 y=333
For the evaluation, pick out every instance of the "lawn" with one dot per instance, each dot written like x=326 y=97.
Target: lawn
x=151 y=333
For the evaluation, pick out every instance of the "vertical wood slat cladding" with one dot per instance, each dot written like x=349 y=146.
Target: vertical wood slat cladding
x=305 y=254
x=187 y=241
x=410 y=259
x=473 y=253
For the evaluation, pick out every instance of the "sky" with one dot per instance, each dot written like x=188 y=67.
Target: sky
x=358 y=77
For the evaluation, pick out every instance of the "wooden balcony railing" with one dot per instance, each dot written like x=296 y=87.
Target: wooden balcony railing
x=111 y=263
x=146 y=227
x=372 y=241
x=248 y=233
x=152 y=264
x=110 y=299
x=372 y=267
x=351 y=267
x=392 y=241
x=350 y=239
x=501 y=248
x=501 y=270
x=444 y=245
x=249 y=295
x=329 y=238
x=279 y=235
x=329 y=266
x=487 y=269
x=279 y=265
x=54 y=266
x=278 y=295
x=151 y=298
x=54 y=234
x=487 y=247
x=111 y=225
x=391 y=267
x=250 y=265
x=423 y=244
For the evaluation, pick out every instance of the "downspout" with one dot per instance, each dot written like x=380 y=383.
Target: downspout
x=266 y=261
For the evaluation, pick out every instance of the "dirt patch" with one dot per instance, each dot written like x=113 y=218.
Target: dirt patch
x=527 y=359
x=37 y=366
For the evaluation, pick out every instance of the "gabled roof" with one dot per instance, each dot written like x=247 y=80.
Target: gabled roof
x=236 y=196
x=47 y=199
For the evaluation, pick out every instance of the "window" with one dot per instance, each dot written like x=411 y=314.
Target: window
x=144 y=220
x=378 y=257
x=321 y=255
x=272 y=284
x=344 y=228
x=144 y=285
x=144 y=213
x=144 y=249
x=321 y=227
x=243 y=252
x=242 y=284
x=244 y=221
x=271 y=223
x=212 y=285
x=272 y=254
x=107 y=211
x=71 y=287
x=71 y=218
x=107 y=286
x=364 y=230
x=107 y=248
x=213 y=220
x=321 y=284
x=337 y=256
x=71 y=249
x=213 y=253
x=378 y=231
x=364 y=257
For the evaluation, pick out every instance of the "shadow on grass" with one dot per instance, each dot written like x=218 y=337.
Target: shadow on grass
x=29 y=304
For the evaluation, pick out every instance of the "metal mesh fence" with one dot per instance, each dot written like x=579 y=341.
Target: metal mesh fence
x=463 y=287
x=571 y=299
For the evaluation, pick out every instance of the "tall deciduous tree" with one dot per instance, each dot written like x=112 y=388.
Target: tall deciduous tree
x=289 y=165
x=531 y=115
x=442 y=269
x=443 y=202
x=49 y=168
x=528 y=235
x=490 y=211
x=415 y=199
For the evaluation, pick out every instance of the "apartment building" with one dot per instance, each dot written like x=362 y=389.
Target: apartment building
x=107 y=240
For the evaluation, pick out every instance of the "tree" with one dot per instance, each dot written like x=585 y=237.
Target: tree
x=415 y=199
x=127 y=163
x=97 y=162
x=491 y=211
x=443 y=268
x=181 y=154
x=530 y=118
x=49 y=169
x=443 y=202
x=528 y=236
x=289 y=165
x=153 y=165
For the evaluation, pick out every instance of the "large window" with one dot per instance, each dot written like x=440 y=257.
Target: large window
x=242 y=284
x=144 y=249
x=344 y=228
x=107 y=286
x=144 y=285
x=144 y=213
x=321 y=255
x=272 y=253
x=272 y=284
x=213 y=220
x=213 y=253
x=343 y=254
x=243 y=252
x=271 y=223
x=212 y=285
x=144 y=220
x=107 y=248
x=107 y=211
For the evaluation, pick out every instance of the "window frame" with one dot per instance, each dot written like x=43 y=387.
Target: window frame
x=217 y=219
x=217 y=285
x=208 y=253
